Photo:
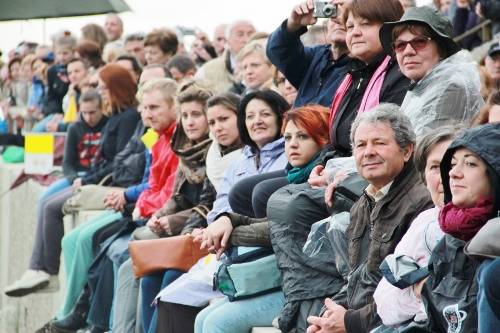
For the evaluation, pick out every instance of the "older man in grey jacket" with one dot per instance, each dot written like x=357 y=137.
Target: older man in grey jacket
x=382 y=142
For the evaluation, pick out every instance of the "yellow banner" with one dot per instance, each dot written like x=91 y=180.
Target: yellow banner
x=39 y=143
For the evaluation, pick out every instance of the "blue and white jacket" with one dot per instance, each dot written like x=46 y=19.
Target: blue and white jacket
x=272 y=157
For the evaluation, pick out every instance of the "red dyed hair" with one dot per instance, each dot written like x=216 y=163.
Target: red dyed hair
x=121 y=85
x=311 y=118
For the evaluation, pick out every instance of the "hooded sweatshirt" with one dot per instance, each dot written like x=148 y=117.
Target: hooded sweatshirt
x=450 y=293
x=81 y=147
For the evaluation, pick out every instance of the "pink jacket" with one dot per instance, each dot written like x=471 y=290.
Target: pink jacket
x=394 y=305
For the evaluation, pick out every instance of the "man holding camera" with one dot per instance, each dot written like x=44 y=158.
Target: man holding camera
x=316 y=72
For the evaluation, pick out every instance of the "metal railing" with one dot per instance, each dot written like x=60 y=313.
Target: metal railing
x=484 y=27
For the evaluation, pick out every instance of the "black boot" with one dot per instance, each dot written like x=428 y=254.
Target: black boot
x=47 y=328
x=77 y=319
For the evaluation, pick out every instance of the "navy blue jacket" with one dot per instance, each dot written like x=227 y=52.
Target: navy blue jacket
x=311 y=70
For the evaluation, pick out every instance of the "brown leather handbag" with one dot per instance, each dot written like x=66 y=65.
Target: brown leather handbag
x=153 y=255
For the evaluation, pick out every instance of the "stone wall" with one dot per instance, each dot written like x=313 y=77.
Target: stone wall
x=17 y=230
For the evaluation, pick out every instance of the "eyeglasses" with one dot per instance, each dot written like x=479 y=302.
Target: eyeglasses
x=417 y=43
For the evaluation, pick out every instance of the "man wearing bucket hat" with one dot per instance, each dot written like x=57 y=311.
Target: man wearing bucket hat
x=445 y=82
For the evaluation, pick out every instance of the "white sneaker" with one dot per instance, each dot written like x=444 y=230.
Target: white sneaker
x=275 y=323
x=29 y=282
x=52 y=287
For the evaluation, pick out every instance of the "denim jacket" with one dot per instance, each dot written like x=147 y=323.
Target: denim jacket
x=272 y=157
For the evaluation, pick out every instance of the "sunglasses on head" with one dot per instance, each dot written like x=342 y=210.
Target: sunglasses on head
x=417 y=43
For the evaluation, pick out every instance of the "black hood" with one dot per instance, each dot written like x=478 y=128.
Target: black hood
x=484 y=141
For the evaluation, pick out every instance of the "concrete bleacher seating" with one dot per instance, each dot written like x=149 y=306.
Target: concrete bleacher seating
x=265 y=330
x=17 y=230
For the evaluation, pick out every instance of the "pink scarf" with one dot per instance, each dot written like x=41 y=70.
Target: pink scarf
x=371 y=97
x=464 y=223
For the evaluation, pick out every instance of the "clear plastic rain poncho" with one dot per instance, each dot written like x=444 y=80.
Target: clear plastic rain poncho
x=448 y=94
x=337 y=169
x=328 y=242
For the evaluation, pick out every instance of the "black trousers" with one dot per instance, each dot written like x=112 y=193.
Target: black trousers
x=249 y=196
x=8 y=139
x=176 y=318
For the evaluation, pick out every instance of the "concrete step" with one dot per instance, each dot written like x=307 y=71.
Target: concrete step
x=265 y=330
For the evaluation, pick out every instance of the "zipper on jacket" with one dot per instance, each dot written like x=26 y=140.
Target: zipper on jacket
x=359 y=83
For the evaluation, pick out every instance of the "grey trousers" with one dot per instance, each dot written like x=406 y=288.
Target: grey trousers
x=49 y=233
x=126 y=310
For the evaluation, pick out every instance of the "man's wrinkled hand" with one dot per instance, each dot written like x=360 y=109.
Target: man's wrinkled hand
x=332 y=320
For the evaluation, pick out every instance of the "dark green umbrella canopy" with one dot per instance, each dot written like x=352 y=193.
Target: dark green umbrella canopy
x=39 y=9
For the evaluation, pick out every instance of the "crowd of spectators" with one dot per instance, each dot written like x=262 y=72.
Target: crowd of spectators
x=254 y=140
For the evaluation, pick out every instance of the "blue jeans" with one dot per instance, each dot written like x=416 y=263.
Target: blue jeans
x=240 y=316
x=4 y=127
x=488 y=298
x=53 y=188
x=41 y=126
x=150 y=287
x=118 y=254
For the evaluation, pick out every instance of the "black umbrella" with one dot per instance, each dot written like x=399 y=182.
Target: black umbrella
x=40 y=9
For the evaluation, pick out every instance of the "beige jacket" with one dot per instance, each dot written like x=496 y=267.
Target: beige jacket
x=216 y=73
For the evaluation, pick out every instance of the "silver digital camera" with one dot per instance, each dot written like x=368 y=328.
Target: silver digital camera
x=324 y=9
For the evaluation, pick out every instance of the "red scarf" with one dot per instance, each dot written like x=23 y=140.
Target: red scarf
x=464 y=223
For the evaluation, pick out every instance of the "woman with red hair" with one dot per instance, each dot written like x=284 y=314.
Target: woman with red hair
x=305 y=130
x=118 y=90
x=310 y=120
